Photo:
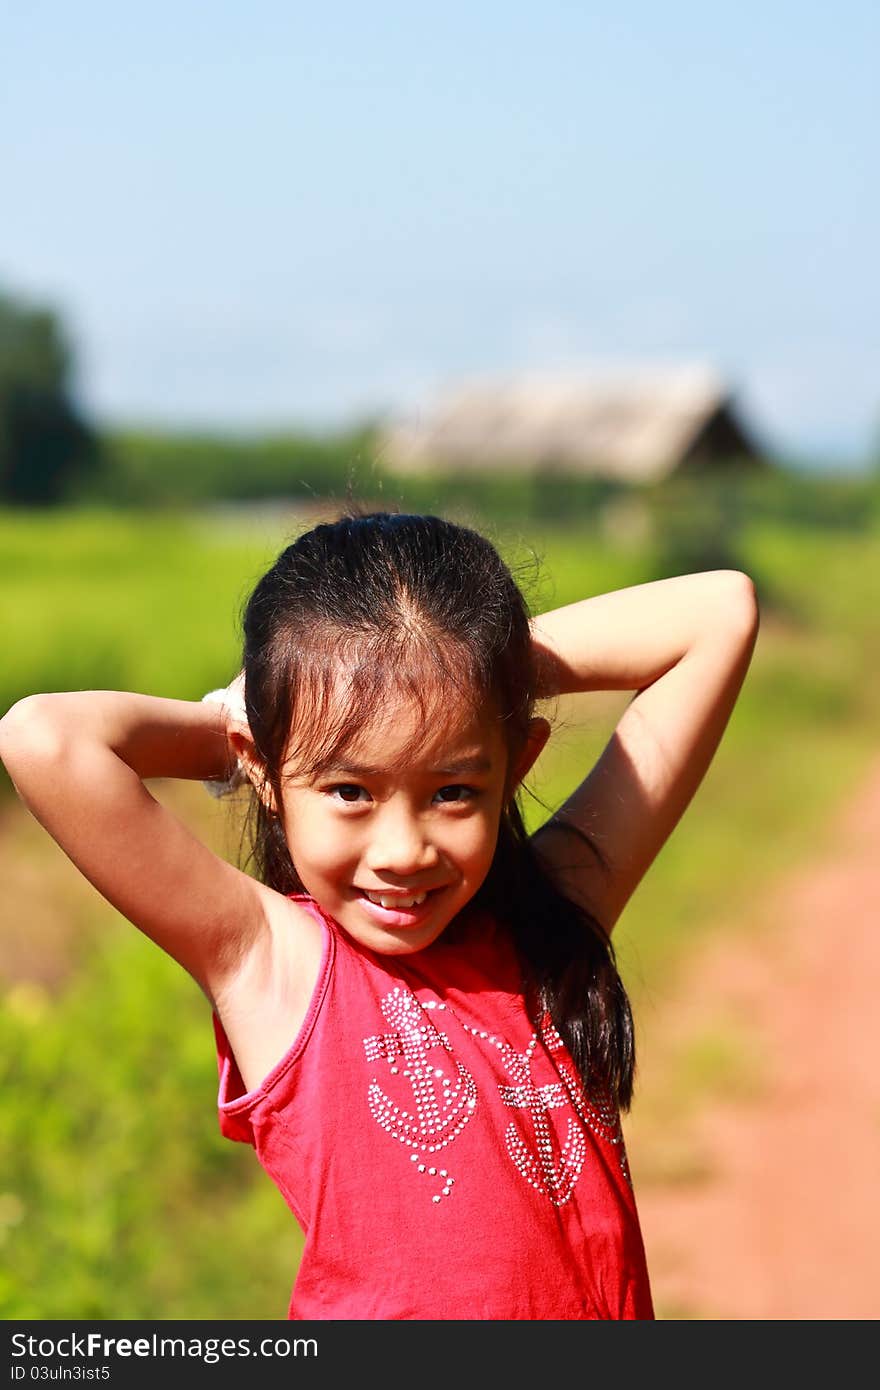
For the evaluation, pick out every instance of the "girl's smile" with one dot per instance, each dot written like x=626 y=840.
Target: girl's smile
x=399 y=910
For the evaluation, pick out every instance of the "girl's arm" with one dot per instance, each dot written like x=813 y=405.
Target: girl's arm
x=78 y=761
x=684 y=644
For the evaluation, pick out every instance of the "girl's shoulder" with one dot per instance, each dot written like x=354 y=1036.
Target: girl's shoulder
x=267 y=994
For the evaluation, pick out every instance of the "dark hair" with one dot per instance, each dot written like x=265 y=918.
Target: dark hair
x=395 y=602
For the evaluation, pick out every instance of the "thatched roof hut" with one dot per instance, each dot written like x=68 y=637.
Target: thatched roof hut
x=633 y=427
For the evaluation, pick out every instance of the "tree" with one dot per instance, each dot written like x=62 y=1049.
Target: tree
x=44 y=442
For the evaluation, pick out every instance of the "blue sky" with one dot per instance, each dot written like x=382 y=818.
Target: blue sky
x=273 y=213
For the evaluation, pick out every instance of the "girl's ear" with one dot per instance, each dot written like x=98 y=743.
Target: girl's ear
x=536 y=739
x=243 y=746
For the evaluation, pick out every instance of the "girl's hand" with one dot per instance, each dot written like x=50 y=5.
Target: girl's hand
x=235 y=691
x=231 y=701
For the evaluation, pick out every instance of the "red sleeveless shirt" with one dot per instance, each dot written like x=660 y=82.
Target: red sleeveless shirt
x=436 y=1146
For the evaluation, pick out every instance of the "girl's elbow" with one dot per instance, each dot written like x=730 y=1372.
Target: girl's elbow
x=740 y=600
x=27 y=730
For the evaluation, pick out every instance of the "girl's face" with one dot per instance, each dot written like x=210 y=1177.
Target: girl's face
x=394 y=853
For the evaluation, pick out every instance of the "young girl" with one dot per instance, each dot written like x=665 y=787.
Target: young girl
x=419 y=1022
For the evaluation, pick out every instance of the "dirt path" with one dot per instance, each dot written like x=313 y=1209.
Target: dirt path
x=762 y=1200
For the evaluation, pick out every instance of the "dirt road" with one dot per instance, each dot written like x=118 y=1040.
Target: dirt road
x=761 y=1200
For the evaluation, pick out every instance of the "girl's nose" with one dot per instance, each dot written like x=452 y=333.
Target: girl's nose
x=400 y=846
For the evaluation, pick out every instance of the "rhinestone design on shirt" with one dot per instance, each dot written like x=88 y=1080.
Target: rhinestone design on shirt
x=445 y=1098
x=444 y=1092
x=553 y=1176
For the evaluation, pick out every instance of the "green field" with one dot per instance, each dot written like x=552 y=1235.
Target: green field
x=118 y=1197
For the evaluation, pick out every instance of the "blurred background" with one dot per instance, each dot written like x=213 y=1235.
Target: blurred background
x=600 y=281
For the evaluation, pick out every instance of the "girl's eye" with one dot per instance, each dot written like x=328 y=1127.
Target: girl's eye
x=348 y=791
x=456 y=793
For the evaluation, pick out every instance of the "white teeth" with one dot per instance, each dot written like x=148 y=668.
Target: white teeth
x=394 y=900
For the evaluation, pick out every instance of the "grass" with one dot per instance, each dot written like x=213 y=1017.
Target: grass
x=119 y=1192
x=100 y=601
x=119 y=1197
